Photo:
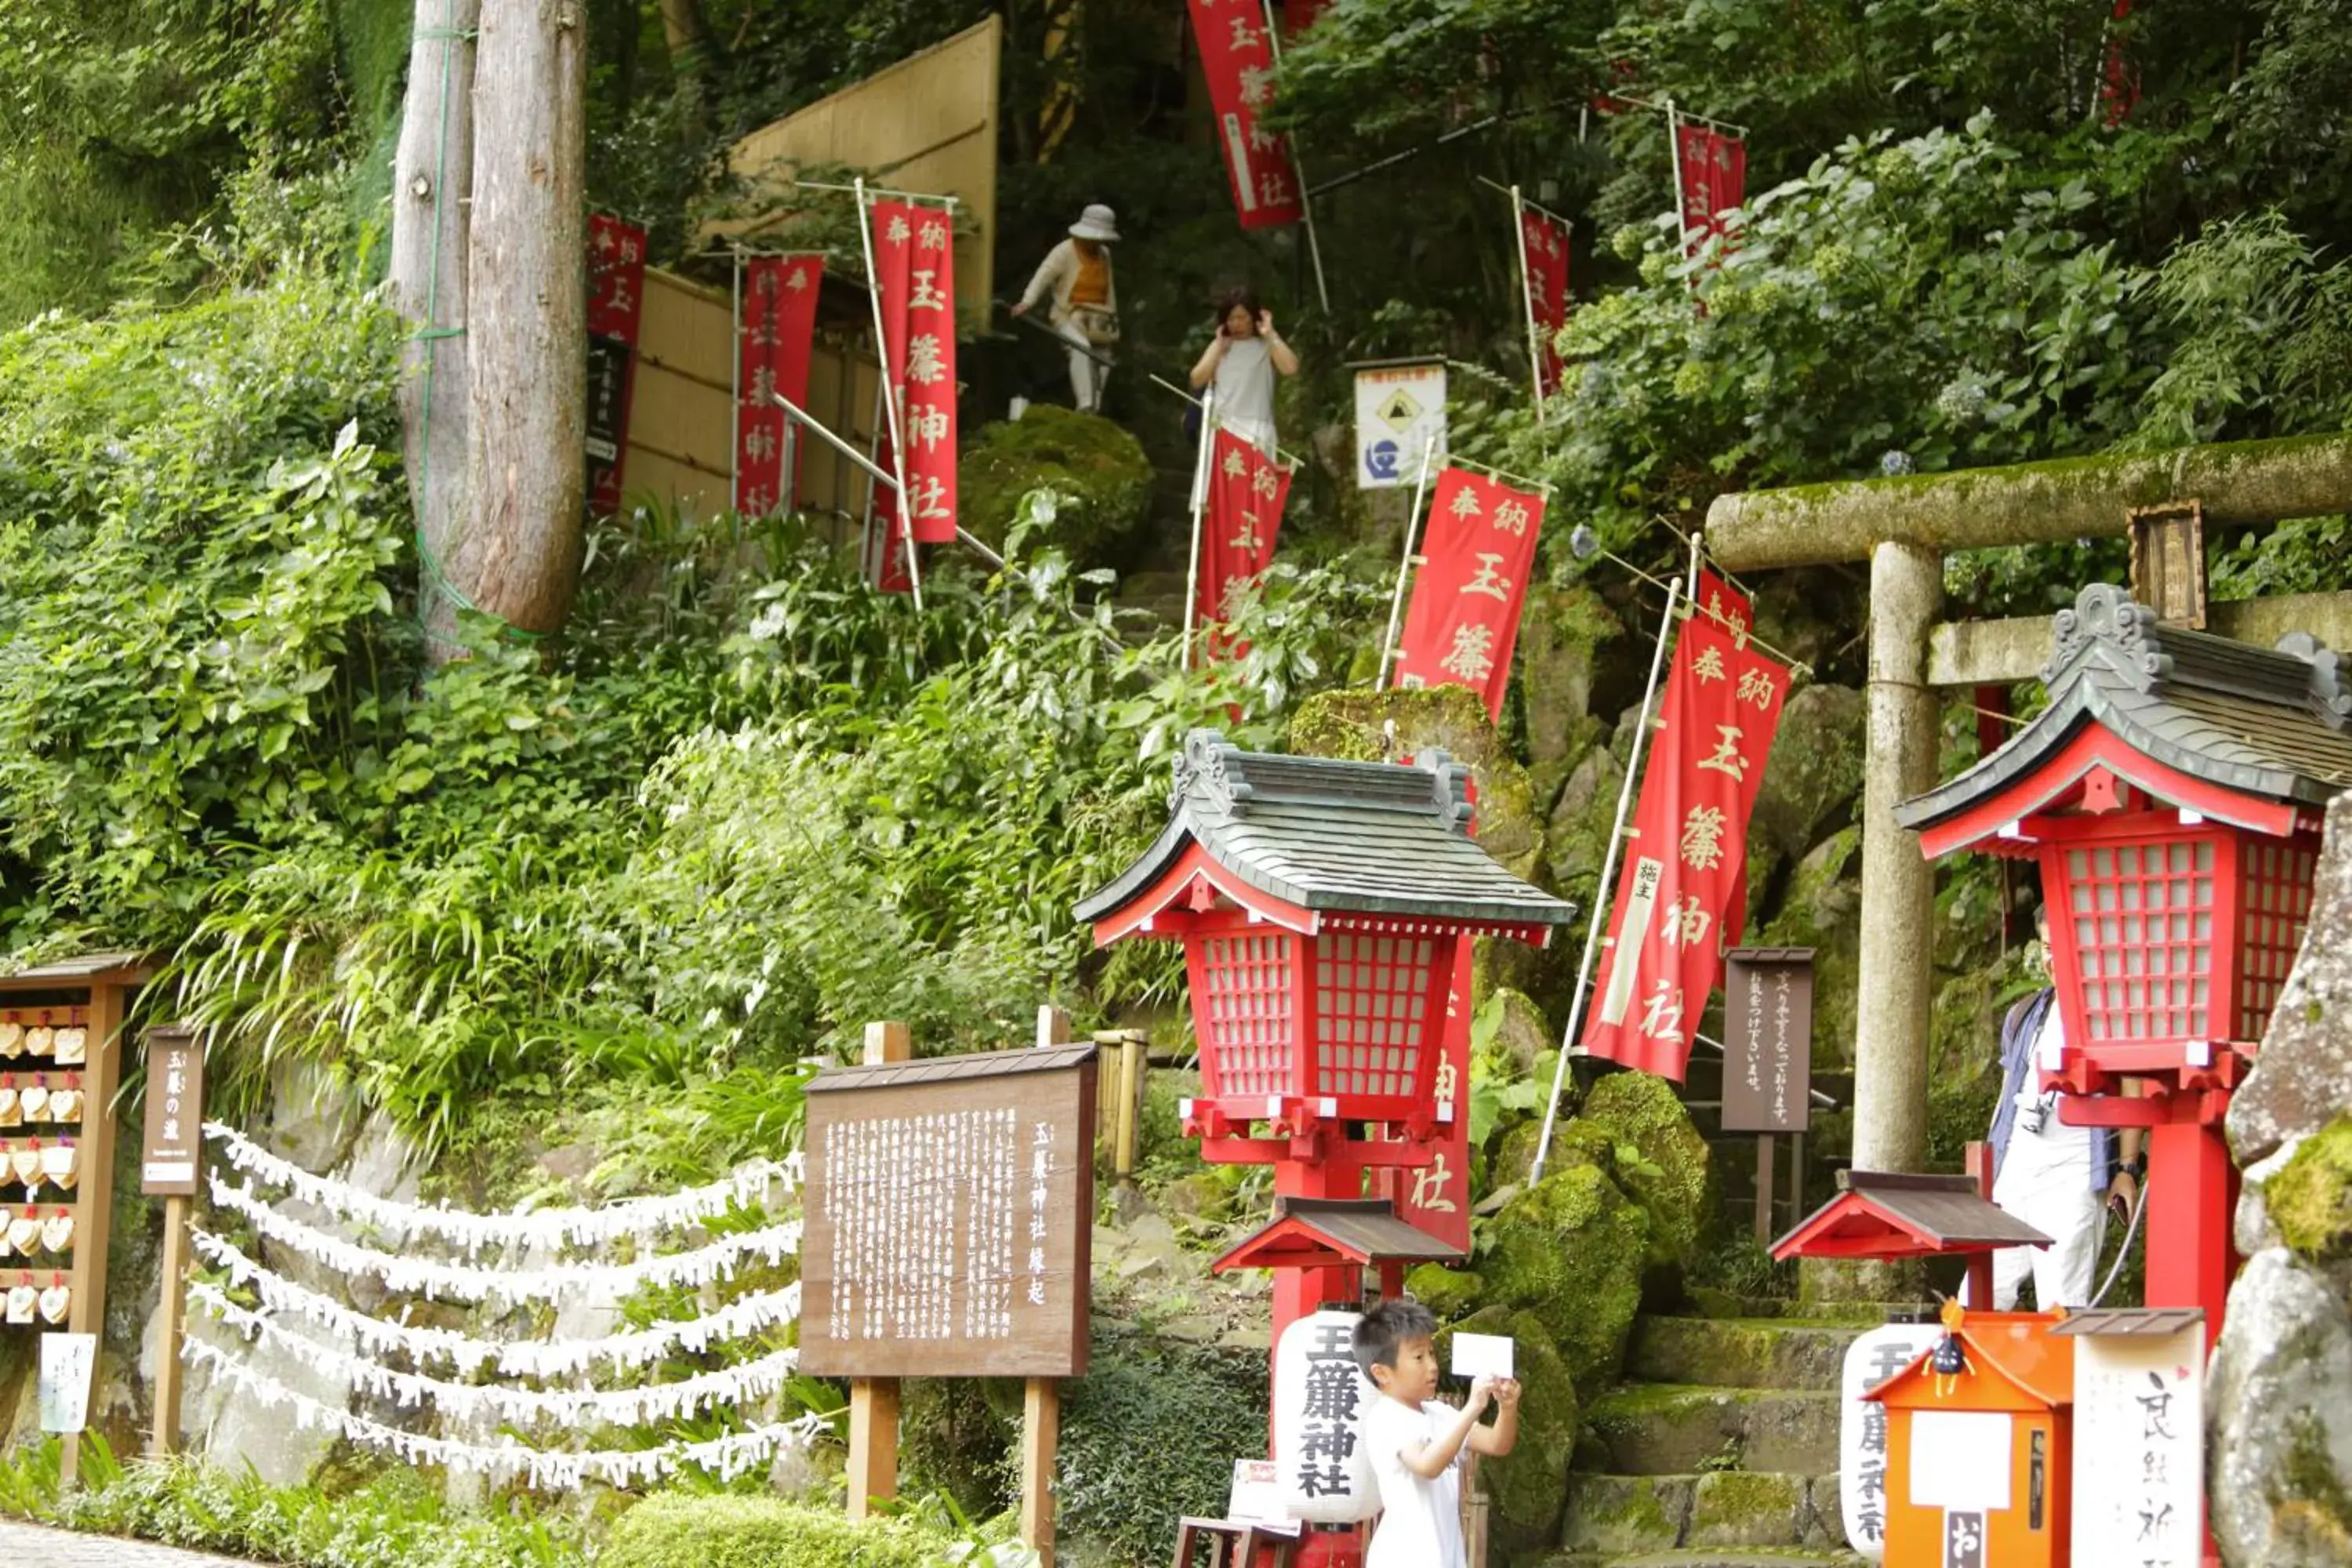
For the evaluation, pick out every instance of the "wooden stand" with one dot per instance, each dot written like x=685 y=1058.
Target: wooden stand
x=874 y=1400
x=163 y=1439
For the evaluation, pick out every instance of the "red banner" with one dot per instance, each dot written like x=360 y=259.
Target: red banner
x=1714 y=178
x=891 y=573
x=1543 y=243
x=1476 y=550
x=1246 y=492
x=2119 y=82
x=1683 y=894
x=778 y=329
x=1297 y=16
x=617 y=292
x=1238 y=60
x=914 y=265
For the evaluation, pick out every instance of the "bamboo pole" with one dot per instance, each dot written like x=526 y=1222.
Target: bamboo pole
x=890 y=402
x=1527 y=297
x=1404 y=566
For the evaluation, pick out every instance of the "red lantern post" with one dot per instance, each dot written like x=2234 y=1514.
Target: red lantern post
x=1320 y=904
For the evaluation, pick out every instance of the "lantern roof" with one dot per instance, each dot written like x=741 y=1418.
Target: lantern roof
x=1324 y=1233
x=2251 y=733
x=1894 y=1214
x=1323 y=835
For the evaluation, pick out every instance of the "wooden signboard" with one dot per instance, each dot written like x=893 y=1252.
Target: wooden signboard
x=949 y=1211
x=1767 y=1039
x=173 y=1149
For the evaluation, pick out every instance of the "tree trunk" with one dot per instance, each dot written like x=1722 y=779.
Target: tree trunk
x=431 y=173
x=689 y=61
x=526 y=344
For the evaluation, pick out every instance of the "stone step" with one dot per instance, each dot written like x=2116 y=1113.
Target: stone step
x=1706 y=1301
x=1611 y=1515
x=1742 y=1352
x=1668 y=1429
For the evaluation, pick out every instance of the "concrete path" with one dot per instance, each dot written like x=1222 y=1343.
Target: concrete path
x=65 y=1549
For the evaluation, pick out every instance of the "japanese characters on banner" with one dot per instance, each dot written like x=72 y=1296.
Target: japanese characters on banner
x=1246 y=492
x=1400 y=411
x=1543 y=242
x=617 y=292
x=1476 y=553
x=888 y=530
x=1237 y=58
x=1870 y=1361
x=1682 y=895
x=914 y=265
x=2139 y=1446
x=773 y=340
x=1320 y=1397
x=1714 y=170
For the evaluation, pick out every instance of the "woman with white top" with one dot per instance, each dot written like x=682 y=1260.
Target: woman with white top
x=1242 y=361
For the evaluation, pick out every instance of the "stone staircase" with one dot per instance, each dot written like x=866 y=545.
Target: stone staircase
x=1719 y=1451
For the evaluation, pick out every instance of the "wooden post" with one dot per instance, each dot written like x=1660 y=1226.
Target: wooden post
x=1041 y=1434
x=164 y=1439
x=1764 y=1186
x=1978 y=1160
x=1052 y=1028
x=94 y=1211
x=874 y=1400
x=1131 y=1104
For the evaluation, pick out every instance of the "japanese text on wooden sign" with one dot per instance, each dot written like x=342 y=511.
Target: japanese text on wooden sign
x=616 y=288
x=950 y=1208
x=1767 y=1038
x=2139 y=1450
x=169 y=1158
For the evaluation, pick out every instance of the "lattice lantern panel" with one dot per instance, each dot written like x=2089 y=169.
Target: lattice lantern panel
x=1374 y=1023
x=2274 y=887
x=1245 y=1012
x=2139 y=917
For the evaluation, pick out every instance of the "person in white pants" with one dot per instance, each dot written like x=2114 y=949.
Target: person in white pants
x=1075 y=276
x=2056 y=1178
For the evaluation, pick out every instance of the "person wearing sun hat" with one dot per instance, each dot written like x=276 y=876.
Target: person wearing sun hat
x=1076 y=277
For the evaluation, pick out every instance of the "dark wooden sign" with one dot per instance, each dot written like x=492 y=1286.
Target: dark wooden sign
x=1767 y=1039
x=949 y=1214
x=171 y=1153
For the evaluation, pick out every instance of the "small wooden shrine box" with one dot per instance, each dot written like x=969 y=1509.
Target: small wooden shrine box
x=1977 y=1460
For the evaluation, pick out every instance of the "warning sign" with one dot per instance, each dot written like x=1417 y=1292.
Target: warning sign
x=1399 y=410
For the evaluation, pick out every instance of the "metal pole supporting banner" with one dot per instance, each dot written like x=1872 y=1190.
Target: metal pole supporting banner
x=735 y=379
x=1675 y=153
x=1603 y=897
x=1405 y=567
x=871 y=548
x=1299 y=168
x=889 y=403
x=1527 y=297
x=1200 y=464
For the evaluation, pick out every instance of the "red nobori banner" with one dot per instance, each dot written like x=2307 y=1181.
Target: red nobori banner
x=914 y=263
x=1714 y=178
x=1246 y=493
x=1463 y=621
x=1297 y=16
x=1684 y=887
x=616 y=293
x=772 y=345
x=888 y=528
x=1543 y=241
x=1238 y=60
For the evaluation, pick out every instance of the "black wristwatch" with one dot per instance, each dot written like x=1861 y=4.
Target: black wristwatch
x=2137 y=1168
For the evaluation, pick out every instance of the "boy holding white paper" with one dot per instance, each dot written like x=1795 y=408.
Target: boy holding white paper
x=1416 y=1445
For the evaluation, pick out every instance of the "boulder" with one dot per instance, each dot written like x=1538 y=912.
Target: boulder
x=2279 y=1421
x=2304 y=1076
x=1521 y=1033
x=1559 y=644
x=1814 y=775
x=1570 y=1250
x=1671 y=1178
x=1822 y=910
x=1526 y=1487
x=1099 y=473
x=1448 y=1292
x=2306 y=1198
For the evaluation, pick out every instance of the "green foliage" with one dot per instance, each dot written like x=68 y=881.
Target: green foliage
x=395 y=1520
x=1098 y=476
x=674 y=1531
x=1149 y=1434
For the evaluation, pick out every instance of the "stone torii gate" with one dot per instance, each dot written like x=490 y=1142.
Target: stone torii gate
x=1904 y=527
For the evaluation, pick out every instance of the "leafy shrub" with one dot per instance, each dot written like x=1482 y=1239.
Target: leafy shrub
x=1099 y=474
x=673 y=1531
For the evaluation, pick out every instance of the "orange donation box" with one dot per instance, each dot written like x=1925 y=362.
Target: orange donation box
x=1978 y=1439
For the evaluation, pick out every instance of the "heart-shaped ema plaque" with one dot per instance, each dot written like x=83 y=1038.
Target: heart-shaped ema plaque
x=22 y=1303
x=10 y=1115
x=40 y=1040
x=64 y=1105
x=12 y=1039
x=24 y=1233
x=24 y=1164
x=72 y=1046
x=56 y=1302
x=34 y=1102
x=56 y=1232
x=61 y=1163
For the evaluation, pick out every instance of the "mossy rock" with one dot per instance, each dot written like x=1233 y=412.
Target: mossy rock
x=1098 y=471
x=1645 y=1112
x=1822 y=910
x=1813 y=777
x=2310 y=1199
x=1521 y=1035
x=1526 y=1486
x=1448 y=1292
x=1570 y=1250
x=1745 y=1508
x=1574 y=1140
x=1559 y=647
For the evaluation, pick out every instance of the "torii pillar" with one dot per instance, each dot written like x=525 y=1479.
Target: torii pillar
x=1903 y=527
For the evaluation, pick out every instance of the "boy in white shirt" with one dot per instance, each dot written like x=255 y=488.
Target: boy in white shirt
x=1416 y=1445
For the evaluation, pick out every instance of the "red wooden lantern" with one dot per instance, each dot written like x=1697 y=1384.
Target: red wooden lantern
x=1320 y=904
x=2172 y=793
